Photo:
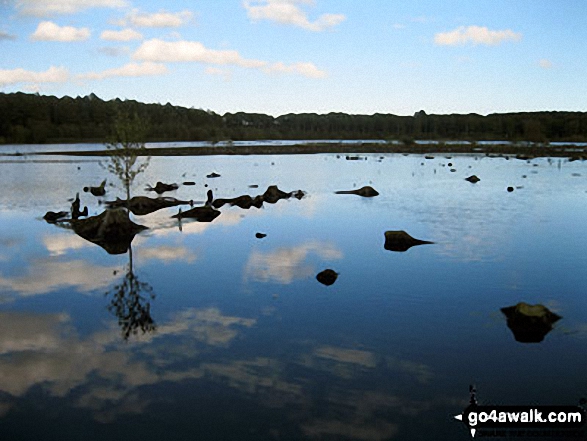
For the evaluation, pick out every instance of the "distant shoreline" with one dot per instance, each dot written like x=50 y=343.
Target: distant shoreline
x=522 y=152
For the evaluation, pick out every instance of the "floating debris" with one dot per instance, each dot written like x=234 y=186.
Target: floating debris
x=401 y=241
x=213 y=175
x=529 y=323
x=367 y=192
x=327 y=277
x=473 y=179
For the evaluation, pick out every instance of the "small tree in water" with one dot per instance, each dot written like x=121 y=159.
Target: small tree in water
x=125 y=145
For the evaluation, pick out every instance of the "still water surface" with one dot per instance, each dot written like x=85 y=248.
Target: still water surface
x=247 y=344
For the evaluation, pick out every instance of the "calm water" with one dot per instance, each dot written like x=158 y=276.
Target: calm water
x=247 y=344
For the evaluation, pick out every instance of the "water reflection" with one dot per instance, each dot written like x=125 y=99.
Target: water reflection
x=284 y=265
x=383 y=358
x=130 y=302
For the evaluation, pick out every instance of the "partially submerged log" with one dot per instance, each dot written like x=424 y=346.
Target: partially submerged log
x=142 y=205
x=206 y=213
x=401 y=241
x=53 y=216
x=245 y=201
x=366 y=192
x=112 y=230
x=529 y=323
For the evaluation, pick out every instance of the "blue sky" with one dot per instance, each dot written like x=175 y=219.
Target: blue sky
x=282 y=56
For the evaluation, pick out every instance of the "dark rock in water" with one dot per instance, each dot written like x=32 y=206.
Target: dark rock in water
x=97 y=191
x=273 y=194
x=213 y=175
x=510 y=189
x=142 y=205
x=529 y=323
x=52 y=216
x=160 y=187
x=260 y=235
x=202 y=214
x=189 y=183
x=473 y=179
x=401 y=241
x=366 y=192
x=327 y=277
x=112 y=230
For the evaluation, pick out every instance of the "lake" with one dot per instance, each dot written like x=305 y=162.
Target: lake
x=235 y=337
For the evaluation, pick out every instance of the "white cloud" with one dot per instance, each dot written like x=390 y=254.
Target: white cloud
x=545 y=64
x=52 y=75
x=288 y=12
x=156 y=50
x=226 y=74
x=161 y=19
x=61 y=244
x=128 y=70
x=304 y=69
x=49 y=31
x=46 y=275
x=44 y=8
x=475 y=35
x=176 y=51
x=123 y=35
x=168 y=253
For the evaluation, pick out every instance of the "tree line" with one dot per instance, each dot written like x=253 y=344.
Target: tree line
x=33 y=118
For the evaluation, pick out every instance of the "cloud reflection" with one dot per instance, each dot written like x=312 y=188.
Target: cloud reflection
x=284 y=265
x=47 y=275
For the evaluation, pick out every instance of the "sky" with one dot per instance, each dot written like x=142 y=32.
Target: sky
x=294 y=56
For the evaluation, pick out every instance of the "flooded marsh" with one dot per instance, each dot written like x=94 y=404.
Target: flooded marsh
x=295 y=312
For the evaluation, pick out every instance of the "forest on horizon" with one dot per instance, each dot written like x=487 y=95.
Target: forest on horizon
x=38 y=119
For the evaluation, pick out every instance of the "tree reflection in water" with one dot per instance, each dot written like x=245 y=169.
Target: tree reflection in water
x=130 y=302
